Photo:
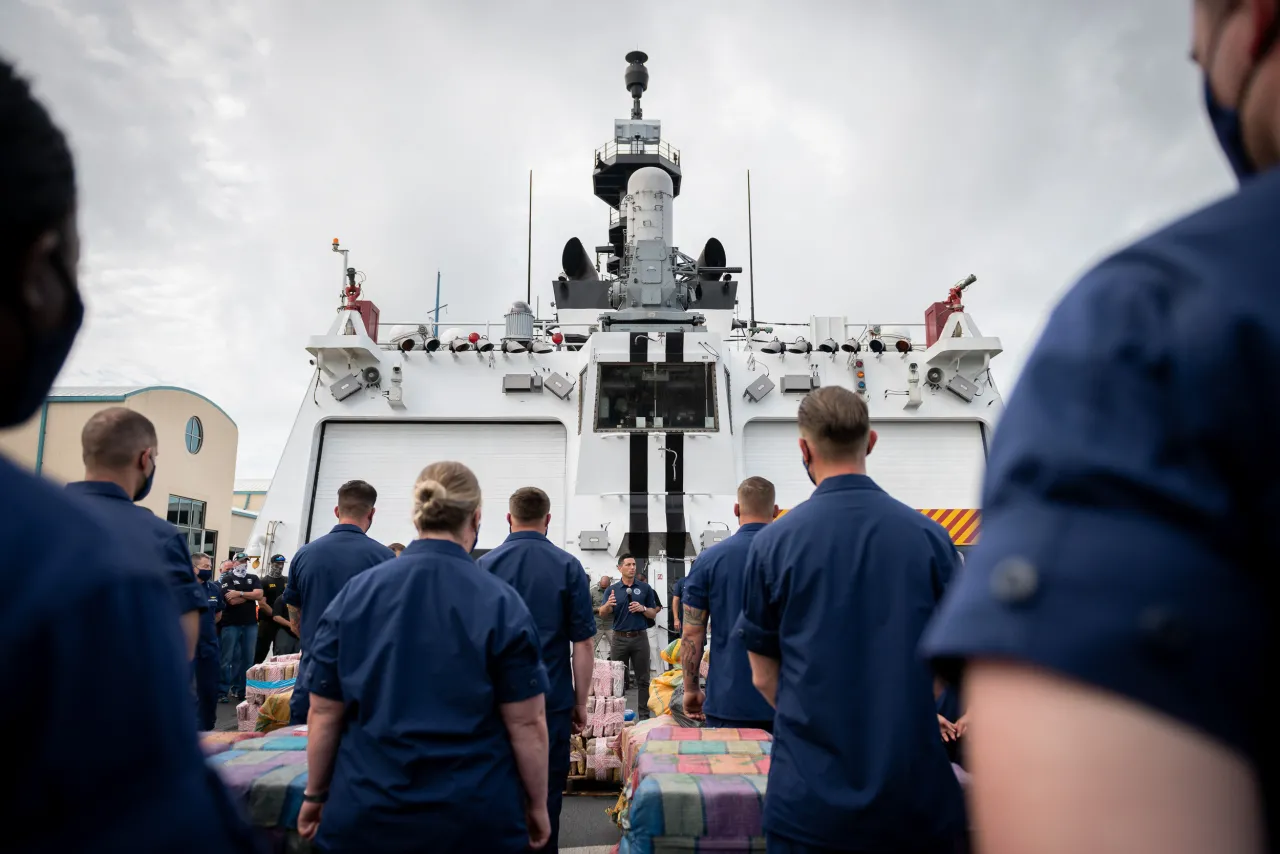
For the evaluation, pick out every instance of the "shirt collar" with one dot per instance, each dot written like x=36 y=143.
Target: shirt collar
x=844 y=482
x=436 y=548
x=103 y=488
x=352 y=529
x=752 y=527
x=525 y=535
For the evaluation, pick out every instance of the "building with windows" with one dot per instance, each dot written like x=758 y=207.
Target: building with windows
x=195 y=460
x=246 y=501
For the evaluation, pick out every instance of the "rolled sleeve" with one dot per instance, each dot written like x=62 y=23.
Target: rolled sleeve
x=694 y=593
x=518 y=669
x=320 y=664
x=1110 y=549
x=582 y=620
x=757 y=626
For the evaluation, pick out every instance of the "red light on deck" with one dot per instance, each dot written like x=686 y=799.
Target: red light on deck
x=473 y=337
x=557 y=338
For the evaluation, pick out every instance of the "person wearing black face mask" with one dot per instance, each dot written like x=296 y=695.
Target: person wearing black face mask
x=208 y=652
x=119 y=448
x=1117 y=598
x=86 y=614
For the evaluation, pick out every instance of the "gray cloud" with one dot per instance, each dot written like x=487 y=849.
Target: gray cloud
x=893 y=147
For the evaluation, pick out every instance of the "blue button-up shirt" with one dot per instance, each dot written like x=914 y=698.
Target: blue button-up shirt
x=83 y=621
x=715 y=585
x=165 y=543
x=623 y=619
x=423 y=651
x=1131 y=491
x=839 y=590
x=323 y=566
x=554 y=586
x=216 y=603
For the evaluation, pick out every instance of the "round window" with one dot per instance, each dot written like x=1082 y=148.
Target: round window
x=195 y=435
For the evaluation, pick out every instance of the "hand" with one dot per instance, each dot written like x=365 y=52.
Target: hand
x=635 y=607
x=535 y=816
x=309 y=819
x=947 y=728
x=611 y=601
x=962 y=725
x=693 y=699
x=579 y=719
x=677 y=625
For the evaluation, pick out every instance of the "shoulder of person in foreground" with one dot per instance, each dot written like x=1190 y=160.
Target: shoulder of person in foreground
x=81 y=600
x=1118 y=514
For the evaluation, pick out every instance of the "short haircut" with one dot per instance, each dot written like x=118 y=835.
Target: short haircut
x=445 y=497
x=396 y=547
x=836 y=422
x=356 y=498
x=198 y=558
x=756 y=497
x=624 y=557
x=37 y=175
x=529 y=504
x=113 y=438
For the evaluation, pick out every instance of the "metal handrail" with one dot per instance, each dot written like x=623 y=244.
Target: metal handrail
x=613 y=148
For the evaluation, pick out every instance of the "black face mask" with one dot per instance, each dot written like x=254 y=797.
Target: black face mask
x=43 y=354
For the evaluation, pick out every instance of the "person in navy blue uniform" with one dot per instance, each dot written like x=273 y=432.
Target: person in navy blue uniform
x=634 y=605
x=321 y=568
x=120 y=449
x=208 y=658
x=86 y=615
x=428 y=727
x=677 y=592
x=1120 y=595
x=241 y=592
x=554 y=586
x=714 y=589
x=836 y=596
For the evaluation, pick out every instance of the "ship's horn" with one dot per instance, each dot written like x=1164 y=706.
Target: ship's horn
x=712 y=256
x=577 y=263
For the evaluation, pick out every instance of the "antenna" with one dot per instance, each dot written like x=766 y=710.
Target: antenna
x=751 y=257
x=435 y=327
x=528 y=282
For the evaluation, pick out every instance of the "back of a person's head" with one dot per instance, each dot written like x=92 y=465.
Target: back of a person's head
x=529 y=505
x=445 y=496
x=835 y=422
x=37 y=175
x=114 y=438
x=756 y=497
x=355 y=499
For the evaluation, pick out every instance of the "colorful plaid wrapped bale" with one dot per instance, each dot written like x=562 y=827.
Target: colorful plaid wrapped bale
x=217 y=742
x=267 y=783
x=690 y=812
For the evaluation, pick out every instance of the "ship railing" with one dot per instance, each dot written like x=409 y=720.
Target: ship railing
x=610 y=150
x=390 y=331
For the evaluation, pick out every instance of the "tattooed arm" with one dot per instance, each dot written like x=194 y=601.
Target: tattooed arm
x=692 y=639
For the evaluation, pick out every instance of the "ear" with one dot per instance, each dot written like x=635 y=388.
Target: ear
x=775 y=511
x=871 y=441
x=806 y=453
x=336 y=514
x=509 y=522
x=546 y=523
x=372 y=510
x=737 y=511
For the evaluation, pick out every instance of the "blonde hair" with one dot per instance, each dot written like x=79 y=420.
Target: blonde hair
x=445 y=496
x=836 y=421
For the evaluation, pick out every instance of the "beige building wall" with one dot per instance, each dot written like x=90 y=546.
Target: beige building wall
x=207 y=475
x=241 y=529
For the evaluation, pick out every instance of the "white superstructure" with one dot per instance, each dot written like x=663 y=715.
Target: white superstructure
x=639 y=407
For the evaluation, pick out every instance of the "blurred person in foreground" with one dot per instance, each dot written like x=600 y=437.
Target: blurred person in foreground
x=836 y=595
x=86 y=618
x=554 y=586
x=427 y=727
x=1115 y=622
x=208 y=660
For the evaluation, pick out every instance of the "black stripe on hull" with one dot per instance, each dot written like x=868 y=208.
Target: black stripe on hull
x=639 y=477
x=673 y=469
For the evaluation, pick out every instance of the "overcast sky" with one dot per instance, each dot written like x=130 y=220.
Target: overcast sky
x=894 y=148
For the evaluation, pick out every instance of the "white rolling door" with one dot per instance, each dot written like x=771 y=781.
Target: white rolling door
x=925 y=464
x=390 y=456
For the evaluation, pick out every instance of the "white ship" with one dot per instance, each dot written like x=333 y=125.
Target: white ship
x=640 y=405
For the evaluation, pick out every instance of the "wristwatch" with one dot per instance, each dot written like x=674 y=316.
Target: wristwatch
x=315 y=799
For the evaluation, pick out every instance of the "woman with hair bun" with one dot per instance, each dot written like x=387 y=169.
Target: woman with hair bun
x=427 y=729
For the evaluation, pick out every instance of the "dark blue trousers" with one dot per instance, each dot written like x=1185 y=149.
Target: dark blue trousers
x=207 y=667
x=559 y=727
x=713 y=721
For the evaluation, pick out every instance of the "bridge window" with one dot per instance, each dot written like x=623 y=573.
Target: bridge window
x=660 y=396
